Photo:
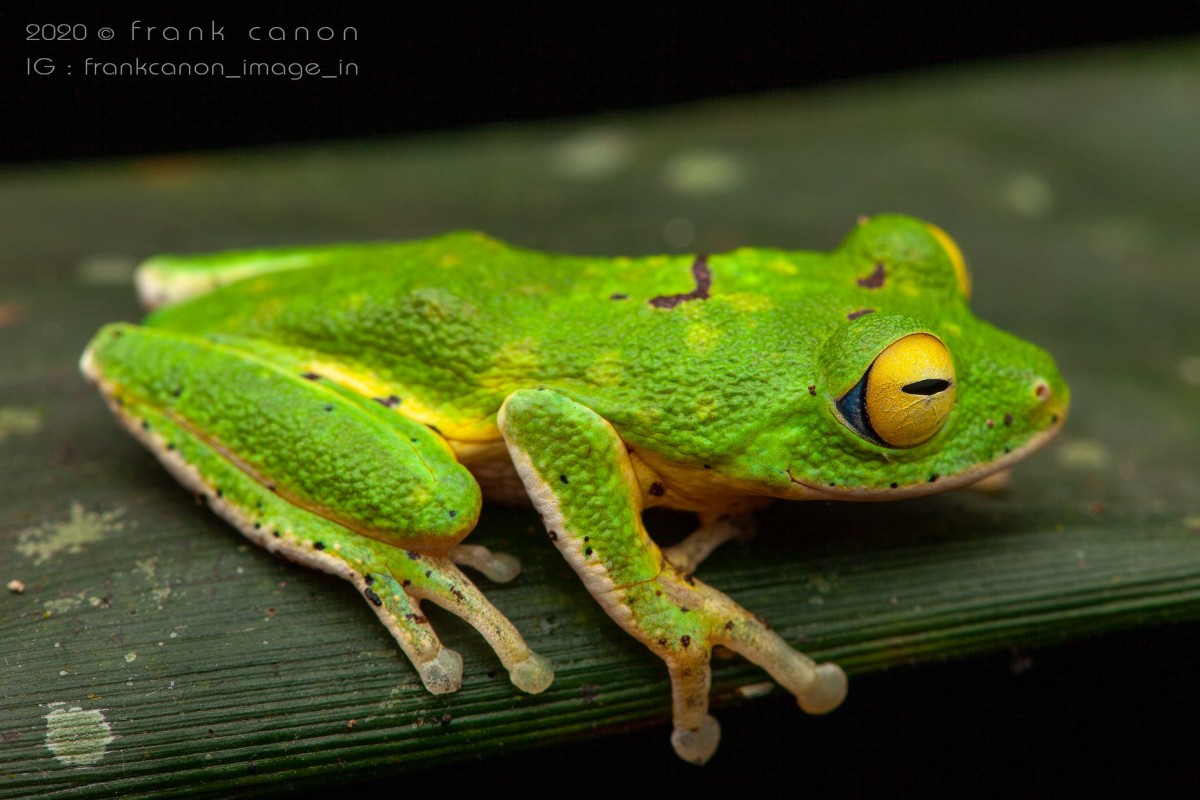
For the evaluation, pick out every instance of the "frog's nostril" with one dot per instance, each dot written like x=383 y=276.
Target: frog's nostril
x=1041 y=390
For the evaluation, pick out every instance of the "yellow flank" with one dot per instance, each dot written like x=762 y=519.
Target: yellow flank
x=956 y=258
x=907 y=418
x=449 y=260
x=367 y=385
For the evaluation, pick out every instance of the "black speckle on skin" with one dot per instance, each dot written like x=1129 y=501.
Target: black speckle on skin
x=391 y=401
x=991 y=423
x=1053 y=418
x=368 y=579
x=276 y=534
x=563 y=478
x=433 y=428
x=862 y=312
x=170 y=445
x=1007 y=449
x=729 y=625
x=370 y=595
x=145 y=425
x=319 y=545
x=428 y=573
x=405 y=583
x=685 y=640
x=176 y=392
x=329 y=407
x=220 y=492
x=933 y=477
x=684 y=609
x=894 y=485
x=257 y=525
x=876 y=279
x=587 y=552
x=812 y=389
x=310 y=376
x=662 y=642
x=453 y=513
x=553 y=535
x=1008 y=419
x=618 y=296
x=657 y=489
x=701 y=274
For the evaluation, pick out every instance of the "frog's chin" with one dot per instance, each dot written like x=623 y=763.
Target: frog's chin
x=806 y=490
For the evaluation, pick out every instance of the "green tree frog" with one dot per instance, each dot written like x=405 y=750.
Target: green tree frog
x=351 y=407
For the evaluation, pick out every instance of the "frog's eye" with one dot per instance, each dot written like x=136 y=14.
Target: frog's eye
x=956 y=259
x=906 y=394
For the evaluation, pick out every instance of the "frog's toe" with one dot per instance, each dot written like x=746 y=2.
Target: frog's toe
x=497 y=567
x=533 y=675
x=827 y=691
x=442 y=674
x=697 y=745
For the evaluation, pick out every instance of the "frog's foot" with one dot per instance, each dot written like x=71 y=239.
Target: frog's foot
x=681 y=619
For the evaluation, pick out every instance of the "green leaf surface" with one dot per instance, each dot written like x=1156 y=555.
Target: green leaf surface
x=153 y=652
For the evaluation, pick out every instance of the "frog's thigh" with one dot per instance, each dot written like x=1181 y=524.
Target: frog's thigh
x=577 y=471
x=313 y=442
x=393 y=580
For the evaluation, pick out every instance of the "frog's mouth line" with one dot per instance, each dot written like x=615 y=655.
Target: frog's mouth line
x=814 y=491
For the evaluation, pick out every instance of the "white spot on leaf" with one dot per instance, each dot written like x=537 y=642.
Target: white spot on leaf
x=47 y=540
x=77 y=737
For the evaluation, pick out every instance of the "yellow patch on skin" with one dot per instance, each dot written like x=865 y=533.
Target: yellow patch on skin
x=449 y=260
x=782 y=267
x=749 y=302
x=513 y=359
x=705 y=408
x=607 y=370
x=354 y=301
x=701 y=338
x=952 y=329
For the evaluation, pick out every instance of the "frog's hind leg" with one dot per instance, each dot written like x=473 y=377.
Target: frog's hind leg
x=713 y=532
x=161 y=385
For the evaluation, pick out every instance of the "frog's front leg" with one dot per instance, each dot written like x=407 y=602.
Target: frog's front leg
x=320 y=475
x=577 y=471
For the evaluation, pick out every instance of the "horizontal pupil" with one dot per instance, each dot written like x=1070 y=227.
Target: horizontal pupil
x=927 y=387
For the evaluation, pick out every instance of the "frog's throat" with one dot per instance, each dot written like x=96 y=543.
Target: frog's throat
x=813 y=491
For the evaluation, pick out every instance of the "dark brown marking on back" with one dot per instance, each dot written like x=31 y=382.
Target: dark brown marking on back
x=703 y=277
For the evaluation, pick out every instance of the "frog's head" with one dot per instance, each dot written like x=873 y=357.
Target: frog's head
x=919 y=395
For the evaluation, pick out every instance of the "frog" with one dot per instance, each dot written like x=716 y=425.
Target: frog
x=352 y=407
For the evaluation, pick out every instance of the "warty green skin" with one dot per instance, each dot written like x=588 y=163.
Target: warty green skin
x=342 y=406
x=461 y=321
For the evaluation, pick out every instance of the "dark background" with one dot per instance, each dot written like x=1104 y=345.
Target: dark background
x=978 y=727
x=426 y=66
